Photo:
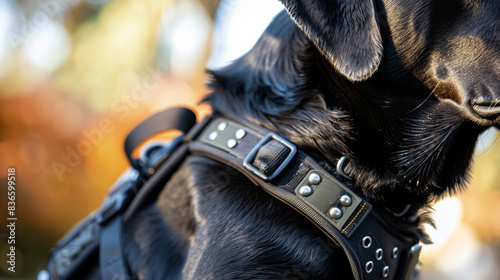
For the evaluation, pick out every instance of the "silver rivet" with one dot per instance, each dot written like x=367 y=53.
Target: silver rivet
x=395 y=252
x=305 y=191
x=369 y=267
x=65 y=253
x=213 y=135
x=151 y=171
x=222 y=126
x=367 y=242
x=379 y=254
x=231 y=143
x=335 y=213
x=240 y=133
x=385 y=272
x=346 y=200
x=314 y=179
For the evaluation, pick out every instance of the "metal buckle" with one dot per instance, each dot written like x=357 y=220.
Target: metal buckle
x=119 y=195
x=340 y=167
x=247 y=162
x=412 y=263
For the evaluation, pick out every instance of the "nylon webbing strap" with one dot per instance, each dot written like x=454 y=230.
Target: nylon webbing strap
x=112 y=263
x=270 y=156
x=176 y=118
x=111 y=260
x=374 y=250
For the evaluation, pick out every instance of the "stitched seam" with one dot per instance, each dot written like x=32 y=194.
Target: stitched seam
x=354 y=219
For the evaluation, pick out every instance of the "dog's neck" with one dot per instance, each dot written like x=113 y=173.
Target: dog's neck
x=418 y=146
x=402 y=148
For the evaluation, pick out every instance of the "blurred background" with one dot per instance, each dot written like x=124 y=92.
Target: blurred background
x=77 y=75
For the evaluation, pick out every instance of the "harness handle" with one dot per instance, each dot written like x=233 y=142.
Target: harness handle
x=176 y=118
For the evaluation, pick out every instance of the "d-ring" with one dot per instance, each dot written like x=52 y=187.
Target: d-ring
x=340 y=167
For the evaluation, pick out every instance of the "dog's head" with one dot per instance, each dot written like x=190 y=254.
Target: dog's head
x=401 y=87
x=452 y=47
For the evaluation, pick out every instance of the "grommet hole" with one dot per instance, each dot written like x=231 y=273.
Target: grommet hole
x=379 y=254
x=367 y=242
x=395 y=252
x=385 y=272
x=369 y=266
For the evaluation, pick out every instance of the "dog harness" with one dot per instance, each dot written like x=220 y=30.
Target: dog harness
x=374 y=248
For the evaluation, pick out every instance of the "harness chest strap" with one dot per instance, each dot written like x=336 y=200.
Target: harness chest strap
x=374 y=249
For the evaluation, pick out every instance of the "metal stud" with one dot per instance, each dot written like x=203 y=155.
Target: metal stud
x=314 y=179
x=231 y=143
x=367 y=242
x=213 y=135
x=385 y=272
x=379 y=254
x=65 y=252
x=395 y=252
x=240 y=133
x=369 y=267
x=305 y=190
x=346 y=200
x=335 y=213
x=222 y=126
x=151 y=171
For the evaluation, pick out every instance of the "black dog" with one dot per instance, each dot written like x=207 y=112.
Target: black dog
x=403 y=88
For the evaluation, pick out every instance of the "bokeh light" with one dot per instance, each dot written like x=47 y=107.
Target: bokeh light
x=76 y=76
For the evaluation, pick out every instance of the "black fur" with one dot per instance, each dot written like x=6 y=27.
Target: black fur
x=397 y=86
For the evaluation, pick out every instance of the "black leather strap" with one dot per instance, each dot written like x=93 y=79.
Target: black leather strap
x=374 y=249
x=176 y=118
x=288 y=169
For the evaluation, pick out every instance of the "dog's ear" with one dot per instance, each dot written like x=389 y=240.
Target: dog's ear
x=345 y=31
